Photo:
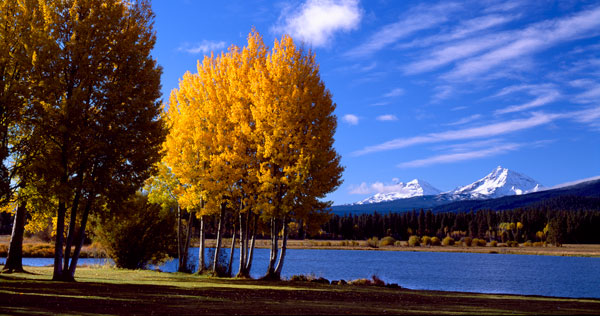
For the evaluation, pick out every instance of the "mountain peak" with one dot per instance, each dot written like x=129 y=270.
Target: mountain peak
x=400 y=190
x=500 y=182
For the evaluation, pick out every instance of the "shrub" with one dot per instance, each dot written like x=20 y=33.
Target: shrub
x=493 y=243
x=413 y=241
x=512 y=243
x=387 y=241
x=435 y=241
x=398 y=243
x=468 y=241
x=528 y=244
x=538 y=244
x=426 y=240
x=373 y=242
x=136 y=233
x=448 y=241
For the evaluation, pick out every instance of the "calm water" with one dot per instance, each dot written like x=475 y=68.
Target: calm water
x=465 y=272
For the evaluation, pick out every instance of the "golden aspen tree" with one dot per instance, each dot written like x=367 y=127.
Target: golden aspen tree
x=95 y=109
x=293 y=113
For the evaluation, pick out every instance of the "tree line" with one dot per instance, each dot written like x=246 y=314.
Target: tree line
x=533 y=223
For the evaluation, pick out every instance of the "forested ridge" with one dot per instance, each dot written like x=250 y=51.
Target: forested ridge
x=573 y=219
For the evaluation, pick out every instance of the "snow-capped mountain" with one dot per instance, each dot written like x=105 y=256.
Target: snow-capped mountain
x=500 y=182
x=413 y=188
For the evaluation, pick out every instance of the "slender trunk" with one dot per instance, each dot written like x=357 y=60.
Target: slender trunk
x=201 y=263
x=274 y=246
x=179 y=238
x=72 y=225
x=229 y=266
x=252 y=243
x=219 y=237
x=80 y=238
x=58 y=245
x=283 y=249
x=186 y=246
x=14 y=260
x=243 y=245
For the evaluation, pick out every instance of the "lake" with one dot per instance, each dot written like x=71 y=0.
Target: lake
x=464 y=272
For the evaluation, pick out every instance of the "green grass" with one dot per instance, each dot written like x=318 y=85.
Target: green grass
x=105 y=290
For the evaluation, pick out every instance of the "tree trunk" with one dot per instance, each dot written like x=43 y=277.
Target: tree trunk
x=219 y=237
x=58 y=245
x=71 y=235
x=252 y=243
x=186 y=246
x=201 y=263
x=14 y=260
x=283 y=249
x=179 y=267
x=274 y=248
x=79 y=243
x=243 y=244
x=229 y=266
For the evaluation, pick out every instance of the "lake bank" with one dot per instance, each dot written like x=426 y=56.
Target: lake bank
x=114 y=291
x=36 y=248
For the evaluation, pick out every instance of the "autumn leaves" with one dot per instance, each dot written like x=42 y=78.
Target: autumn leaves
x=252 y=133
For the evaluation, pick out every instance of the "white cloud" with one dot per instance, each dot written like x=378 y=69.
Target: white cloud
x=420 y=18
x=488 y=130
x=394 y=93
x=387 y=117
x=203 y=47
x=455 y=157
x=378 y=187
x=379 y=103
x=537 y=102
x=316 y=21
x=465 y=120
x=533 y=39
x=350 y=119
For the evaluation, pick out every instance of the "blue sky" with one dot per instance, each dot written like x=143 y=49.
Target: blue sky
x=440 y=91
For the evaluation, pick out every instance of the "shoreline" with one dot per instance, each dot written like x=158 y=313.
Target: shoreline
x=38 y=249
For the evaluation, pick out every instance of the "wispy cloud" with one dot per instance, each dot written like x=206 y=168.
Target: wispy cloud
x=465 y=120
x=489 y=130
x=394 y=93
x=203 y=47
x=537 y=102
x=533 y=39
x=387 y=118
x=379 y=103
x=456 y=157
x=317 y=21
x=351 y=119
x=420 y=18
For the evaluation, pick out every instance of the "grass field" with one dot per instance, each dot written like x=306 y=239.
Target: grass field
x=103 y=290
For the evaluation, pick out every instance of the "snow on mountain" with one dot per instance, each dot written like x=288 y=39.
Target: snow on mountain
x=500 y=182
x=403 y=191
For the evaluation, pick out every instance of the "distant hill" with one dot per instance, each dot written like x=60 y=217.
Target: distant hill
x=583 y=194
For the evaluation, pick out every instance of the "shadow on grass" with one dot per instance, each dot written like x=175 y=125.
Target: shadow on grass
x=226 y=296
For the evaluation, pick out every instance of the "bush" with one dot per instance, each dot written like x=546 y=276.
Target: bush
x=512 y=243
x=426 y=240
x=528 y=244
x=136 y=233
x=435 y=241
x=493 y=243
x=398 y=243
x=538 y=244
x=413 y=241
x=478 y=242
x=448 y=241
x=468 y=241
x=387 y=241
x=373 y=242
